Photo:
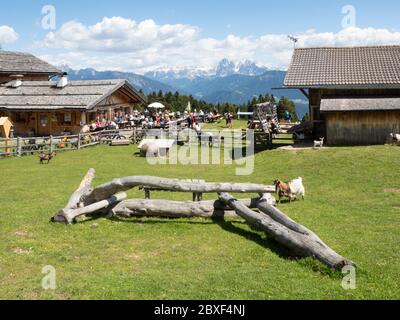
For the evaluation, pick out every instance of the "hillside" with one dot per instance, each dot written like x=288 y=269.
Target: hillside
x=234 y=88
x=138 y=81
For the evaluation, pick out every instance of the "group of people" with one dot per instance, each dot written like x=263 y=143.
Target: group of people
x=153 y=120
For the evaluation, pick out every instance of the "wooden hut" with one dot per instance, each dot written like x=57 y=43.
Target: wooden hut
x=42 y=108
x=353 y=92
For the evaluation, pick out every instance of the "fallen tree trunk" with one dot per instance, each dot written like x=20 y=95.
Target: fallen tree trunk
x=175 y=185
x=69 y=215
x=299 y=243
x=181 y=209
x=273 y=212
x=85 y=187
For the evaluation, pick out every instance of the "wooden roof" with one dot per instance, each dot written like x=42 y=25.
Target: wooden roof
x=376 y=66
x=357 y=104
x=82 y=95
x=24 y=63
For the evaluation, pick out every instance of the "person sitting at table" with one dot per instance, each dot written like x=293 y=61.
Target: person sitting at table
x=162 y=123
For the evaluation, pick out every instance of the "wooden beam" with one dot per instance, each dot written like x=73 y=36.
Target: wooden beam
x=303 y=91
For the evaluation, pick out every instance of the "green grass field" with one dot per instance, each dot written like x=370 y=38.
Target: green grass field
x=347 y=205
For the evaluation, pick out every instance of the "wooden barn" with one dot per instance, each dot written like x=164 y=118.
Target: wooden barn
x=353 y=92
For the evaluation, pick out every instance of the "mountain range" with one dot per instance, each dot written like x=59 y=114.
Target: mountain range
x=227 y=82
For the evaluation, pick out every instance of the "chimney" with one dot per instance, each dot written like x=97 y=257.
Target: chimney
x=16 y=81
x=63 y=82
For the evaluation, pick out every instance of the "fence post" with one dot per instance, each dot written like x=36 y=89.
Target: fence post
x=51 y=143
x=19 y=147
x=134 y=135
x=79 y=141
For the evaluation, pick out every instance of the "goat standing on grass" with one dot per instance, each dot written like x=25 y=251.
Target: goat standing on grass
x=395 y=138
x=292 y=190
x=297 y=188
x=46 y=157
x=319 y=143
x=283 y=190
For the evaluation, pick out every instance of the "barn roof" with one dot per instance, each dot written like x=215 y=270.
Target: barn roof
x=375 y=66
x=357 y=104
x=82 y=95
x=18 y=62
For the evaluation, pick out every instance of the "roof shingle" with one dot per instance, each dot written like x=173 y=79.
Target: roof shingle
x=356 y=104
x=18 y=62
x=348 y=66
x=44 y=95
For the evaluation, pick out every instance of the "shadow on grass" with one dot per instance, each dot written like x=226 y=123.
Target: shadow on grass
x=232 y=227
x=278 y=249
x=267 y=243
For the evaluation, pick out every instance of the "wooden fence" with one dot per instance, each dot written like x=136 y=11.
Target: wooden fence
x=31 y=145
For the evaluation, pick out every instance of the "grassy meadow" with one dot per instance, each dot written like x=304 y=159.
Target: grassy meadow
x=352 y=203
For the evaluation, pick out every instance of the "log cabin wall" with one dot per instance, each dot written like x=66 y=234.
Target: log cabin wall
x=45 y=123
x=361 y=127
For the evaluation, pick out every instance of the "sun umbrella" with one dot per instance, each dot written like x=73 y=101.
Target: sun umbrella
x=156 y=105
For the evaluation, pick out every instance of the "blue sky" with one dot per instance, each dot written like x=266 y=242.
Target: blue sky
x=209 y=25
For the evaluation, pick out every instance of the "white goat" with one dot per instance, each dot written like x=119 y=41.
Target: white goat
x=395 y=138
x=297 y=188
x=319 y=143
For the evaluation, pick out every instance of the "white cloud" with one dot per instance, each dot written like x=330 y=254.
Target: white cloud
x=123 y=44
x=7 y=35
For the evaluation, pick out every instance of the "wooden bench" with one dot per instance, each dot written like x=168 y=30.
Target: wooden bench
x=121 y=142
x=197 y=196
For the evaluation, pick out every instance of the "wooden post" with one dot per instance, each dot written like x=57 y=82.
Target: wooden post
x=134 y=135
x=19 y=147
x=79 y=141
x=146 y=193
x=51 y=143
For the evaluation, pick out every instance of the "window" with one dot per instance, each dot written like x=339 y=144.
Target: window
x=67 y=118
x=44 y=121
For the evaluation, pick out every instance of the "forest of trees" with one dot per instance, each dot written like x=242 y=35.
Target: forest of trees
x=177 y=102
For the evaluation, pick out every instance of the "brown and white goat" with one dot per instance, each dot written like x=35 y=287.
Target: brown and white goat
x=46 y=157
x=293 y=189
x=283 y=190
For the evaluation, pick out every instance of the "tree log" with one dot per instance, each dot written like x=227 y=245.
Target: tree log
x=299 y=243
x=85 y=187
x=180 y=209
x=75 y=201
x=67 y=215
x=273 y=212
x=104 y=191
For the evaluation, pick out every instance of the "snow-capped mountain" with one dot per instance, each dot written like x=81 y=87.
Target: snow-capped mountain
x=224 y=68
x=245 y=68
x=166 y=74
x=228 y=82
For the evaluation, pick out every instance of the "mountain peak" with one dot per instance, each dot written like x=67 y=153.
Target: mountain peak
x=225 y=68
x=246 y=68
